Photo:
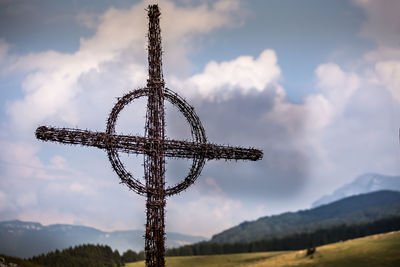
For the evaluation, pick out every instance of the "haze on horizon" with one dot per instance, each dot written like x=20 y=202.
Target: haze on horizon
x=314 y=84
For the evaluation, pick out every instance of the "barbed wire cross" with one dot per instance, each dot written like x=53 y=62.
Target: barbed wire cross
x=154 y=146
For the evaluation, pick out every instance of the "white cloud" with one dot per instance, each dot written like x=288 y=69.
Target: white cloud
x=337 y=85
x=59 y=163
x=54 y=83
x=358 y=129
x=202 y=213
x=335 y=90
x=21 y=160
x=82 y=189
x=242 y=74
x=389 y=73
x=27 y=200
x=319 y=109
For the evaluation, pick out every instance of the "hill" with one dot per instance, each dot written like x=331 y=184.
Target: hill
x=363 y=184
x=350 y=211
x=27 y=239
x=376 y=250
x=302 y=240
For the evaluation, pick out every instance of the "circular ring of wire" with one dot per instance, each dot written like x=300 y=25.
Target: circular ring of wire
x=198 y=136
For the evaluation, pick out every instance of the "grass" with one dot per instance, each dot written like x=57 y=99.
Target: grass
x=228 y=260
x=377 y=250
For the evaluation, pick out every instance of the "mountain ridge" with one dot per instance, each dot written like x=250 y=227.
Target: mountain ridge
x=27 y=239
x=365 y=183
x=351 y=210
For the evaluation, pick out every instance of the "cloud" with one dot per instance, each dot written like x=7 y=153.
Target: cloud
x=357 y=130
x=362 y=134
x=335 y=90
x=267 y=122
x=58 y=163
x=73 y=89
x=383 y=26
x=337 y=85
x=24 y=176
x=54 y=84
x=24 y=156
x=206 y=210
x=54 y=192
x=249 y=97
x=203 y=216
x=243 y=73
x=27 y=200
x=21 y=163
x=383 y=21
x=343 y=126
x=389 y=73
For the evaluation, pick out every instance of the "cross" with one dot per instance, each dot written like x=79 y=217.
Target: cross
x=154 y=146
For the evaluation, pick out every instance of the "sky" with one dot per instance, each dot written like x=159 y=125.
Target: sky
x=314 y=84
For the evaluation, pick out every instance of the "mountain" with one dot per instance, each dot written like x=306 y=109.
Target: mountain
x=27 y=239
x=352 y=210
x=365 y=183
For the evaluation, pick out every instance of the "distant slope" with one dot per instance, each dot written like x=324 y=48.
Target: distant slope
x=296 y=241
x=376 y=250
x=363 y=184
x=352 y=210
x=26 y=239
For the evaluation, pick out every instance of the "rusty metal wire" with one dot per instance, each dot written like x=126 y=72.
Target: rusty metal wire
x=140 y=145
x=154 y=162
x=154 y=145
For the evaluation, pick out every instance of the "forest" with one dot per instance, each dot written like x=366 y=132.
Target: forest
x=301 y=240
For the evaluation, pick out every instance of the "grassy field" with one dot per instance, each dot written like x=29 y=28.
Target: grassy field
x=378 y=250
x=229 y=260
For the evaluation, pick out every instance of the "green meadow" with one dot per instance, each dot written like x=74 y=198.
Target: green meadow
x=376 y=250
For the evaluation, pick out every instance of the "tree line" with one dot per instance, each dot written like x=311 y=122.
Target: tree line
x=87 y=255
x=103 y=256
x=296 y=241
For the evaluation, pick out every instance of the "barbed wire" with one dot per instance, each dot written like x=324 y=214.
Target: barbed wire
x=154 y=145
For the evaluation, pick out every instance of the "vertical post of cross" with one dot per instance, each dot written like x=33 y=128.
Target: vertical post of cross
x=154 y=162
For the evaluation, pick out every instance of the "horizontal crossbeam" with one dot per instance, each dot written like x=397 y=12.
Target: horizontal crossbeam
x=141 y=145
